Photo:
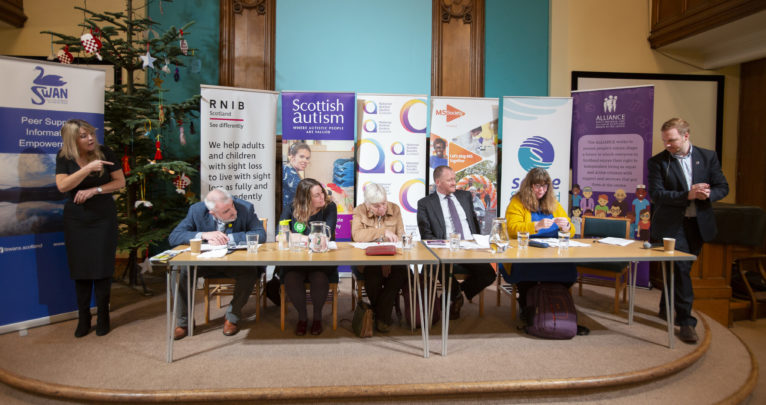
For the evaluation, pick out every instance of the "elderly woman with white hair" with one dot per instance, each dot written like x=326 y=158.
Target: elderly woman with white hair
x=379 y=220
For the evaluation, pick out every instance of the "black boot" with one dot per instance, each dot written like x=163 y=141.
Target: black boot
x=83 y=325
x=102 y=322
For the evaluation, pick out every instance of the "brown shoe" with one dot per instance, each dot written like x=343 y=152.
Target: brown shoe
x=688 y=335
x=180 y=333
x=230 y=329
x=454 y=308
x=316 y=328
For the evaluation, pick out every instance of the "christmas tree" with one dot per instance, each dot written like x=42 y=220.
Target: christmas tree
x=137 y=123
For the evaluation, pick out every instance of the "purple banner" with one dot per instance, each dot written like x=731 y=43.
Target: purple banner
x=611 y=142
x=322 y=116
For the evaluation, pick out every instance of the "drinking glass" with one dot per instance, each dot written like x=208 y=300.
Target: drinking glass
x=454 y=241
x=252 y=242
x=563 y=240
x=523 y=238
x=407 y=241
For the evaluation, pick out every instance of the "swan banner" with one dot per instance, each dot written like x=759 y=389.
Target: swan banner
x=391 y=144
x=36 y=100
x=536 y=133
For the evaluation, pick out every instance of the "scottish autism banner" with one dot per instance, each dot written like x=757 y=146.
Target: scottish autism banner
x=237 y=145
x=536 y=133
x=611 y=142
x=390 y=149
x=318 y=143
x=37 y=98
x=464 y=136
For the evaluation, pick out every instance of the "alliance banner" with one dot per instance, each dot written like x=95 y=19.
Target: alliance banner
x=238 y=146
x=536 y=133
x=611 y=142
x=37 y=98
x=464 y=136
x=318 y=143
x=390 y=149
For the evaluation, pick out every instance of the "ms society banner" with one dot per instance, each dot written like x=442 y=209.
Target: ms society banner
x=536 y=133
x=318 y=143
x=35 y=101
x=464 y=136
x=391 y=146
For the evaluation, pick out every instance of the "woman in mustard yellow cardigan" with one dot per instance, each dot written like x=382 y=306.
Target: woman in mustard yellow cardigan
x=535 y=209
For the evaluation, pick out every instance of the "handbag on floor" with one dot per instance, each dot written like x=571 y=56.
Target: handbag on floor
x=362 y=322
x=552 y=313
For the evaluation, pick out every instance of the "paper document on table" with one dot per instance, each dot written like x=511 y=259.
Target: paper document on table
x=212 y=254
x=365 y=245
x=482 y=241
x=436 y=243
x=206 y=246
x=616 y=241
x=554 y=242
x=470 y=244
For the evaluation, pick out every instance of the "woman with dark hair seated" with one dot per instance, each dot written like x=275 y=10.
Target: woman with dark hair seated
x=311 y=203
x=379 y=220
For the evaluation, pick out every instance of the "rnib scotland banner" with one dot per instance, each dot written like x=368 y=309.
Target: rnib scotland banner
x=37 y=98
x=464 y=137
x=238 y=146
x=391 y=145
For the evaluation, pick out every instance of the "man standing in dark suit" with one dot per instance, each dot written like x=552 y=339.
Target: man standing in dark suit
x=219 y=220
x=445 y=211
x=683 y=183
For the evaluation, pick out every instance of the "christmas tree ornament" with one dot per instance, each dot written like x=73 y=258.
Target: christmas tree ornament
x=165 y=67
x=148 y=59
x=183 y=44
x=181 y=182
x=181 y=136
x=142 y=201
x=176 y=75
x=161 y=117
x=51 y=56
x=64 y=55
x=158 y=152
x=158 y=82
x=126 y=162
x=91 y=43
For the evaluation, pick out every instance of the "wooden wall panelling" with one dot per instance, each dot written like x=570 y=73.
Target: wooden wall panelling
x=673 y=20
x=457 y=55
x=751 y=139
x=247 y=43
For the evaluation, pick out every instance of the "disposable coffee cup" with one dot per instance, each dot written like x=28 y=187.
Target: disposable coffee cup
x=196 y=246
x=669 y=244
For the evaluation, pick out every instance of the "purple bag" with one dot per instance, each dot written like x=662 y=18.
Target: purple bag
x=552 y=312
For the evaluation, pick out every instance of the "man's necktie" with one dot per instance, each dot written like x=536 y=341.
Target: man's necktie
x=455 y=217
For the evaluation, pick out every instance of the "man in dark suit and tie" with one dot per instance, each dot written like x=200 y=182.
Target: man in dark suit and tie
x=445 y=211
x=220 y=220
x=683 y=182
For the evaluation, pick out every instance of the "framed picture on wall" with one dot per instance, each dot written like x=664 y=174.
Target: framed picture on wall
x=696 y=98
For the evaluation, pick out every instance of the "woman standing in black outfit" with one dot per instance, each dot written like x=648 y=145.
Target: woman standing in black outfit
x=311 y=203
x=89 y=173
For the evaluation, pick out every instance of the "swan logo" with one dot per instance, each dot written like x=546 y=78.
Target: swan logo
x=48 y=89
x=536 y=152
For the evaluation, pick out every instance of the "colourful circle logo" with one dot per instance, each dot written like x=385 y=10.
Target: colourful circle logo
x=370 y=126
x=411 y=192
x=370 y=107
x=371 y=158
x=397 y=166
x=415 y=123
x=397 y=148
x=536 y=152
